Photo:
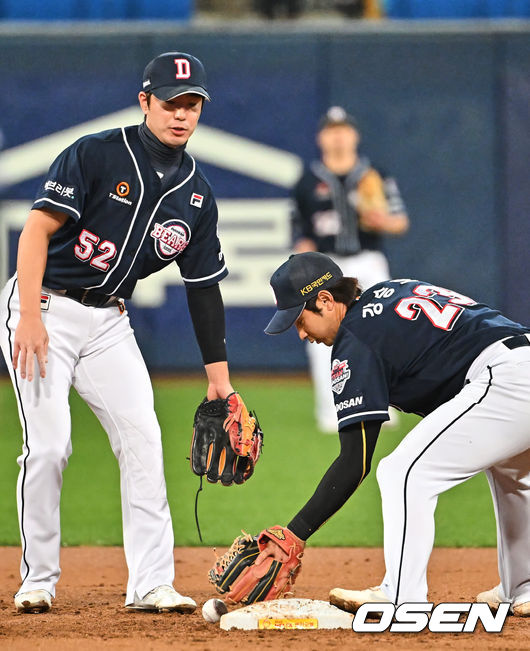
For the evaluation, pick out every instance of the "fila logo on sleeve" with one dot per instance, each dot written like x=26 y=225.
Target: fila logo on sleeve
x=196 y=200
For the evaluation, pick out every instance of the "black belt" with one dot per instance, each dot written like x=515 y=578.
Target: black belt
x=516 y=342
x=90 y=298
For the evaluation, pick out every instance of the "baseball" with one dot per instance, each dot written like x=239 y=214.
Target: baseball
x=213 y=609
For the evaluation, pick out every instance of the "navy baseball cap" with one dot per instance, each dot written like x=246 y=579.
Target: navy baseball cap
x=336 y=115
x=295 y=282
x=175 y=73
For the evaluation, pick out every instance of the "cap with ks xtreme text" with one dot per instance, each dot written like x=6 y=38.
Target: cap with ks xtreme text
x=295 y=282
x=174 y=73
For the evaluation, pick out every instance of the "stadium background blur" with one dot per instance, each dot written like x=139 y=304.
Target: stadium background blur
x=441 y=90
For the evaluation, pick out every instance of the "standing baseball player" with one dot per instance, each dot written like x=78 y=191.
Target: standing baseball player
x=115 y=207
x=344 y=207
x=426 y=350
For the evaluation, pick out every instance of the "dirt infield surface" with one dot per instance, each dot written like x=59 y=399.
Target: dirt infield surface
x=88 y=612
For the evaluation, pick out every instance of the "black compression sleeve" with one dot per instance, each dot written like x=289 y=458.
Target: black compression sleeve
x=357 y=444
x=208 y=316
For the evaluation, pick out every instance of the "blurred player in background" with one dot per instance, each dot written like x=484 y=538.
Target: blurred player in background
x=344 y=207
x=115 y=207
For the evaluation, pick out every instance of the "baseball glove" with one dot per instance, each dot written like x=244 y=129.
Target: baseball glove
x=259 y=568
x=226 y=442
x=370 y=194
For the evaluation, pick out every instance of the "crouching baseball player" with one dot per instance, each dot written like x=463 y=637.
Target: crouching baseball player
x=427 y=350
x=115 y=207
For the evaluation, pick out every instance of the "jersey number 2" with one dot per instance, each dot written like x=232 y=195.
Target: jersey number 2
x=84 y=251
x=441 y=316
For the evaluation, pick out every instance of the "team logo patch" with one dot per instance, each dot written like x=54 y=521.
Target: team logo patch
x=196 y=200
x=44 y=301
x=183 y=68
x=171 y=238
x=340 y=374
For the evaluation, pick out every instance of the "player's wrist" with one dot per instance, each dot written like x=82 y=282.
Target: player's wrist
x=219 y=385
x=299 y=528
x=219 y=391
x=31 y=314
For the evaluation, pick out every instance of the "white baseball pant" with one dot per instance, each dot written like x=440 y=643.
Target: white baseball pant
x=486 y=427
x=94 y=350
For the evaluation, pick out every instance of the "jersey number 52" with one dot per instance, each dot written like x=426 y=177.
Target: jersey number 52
x=85 y=250
x=441 y=316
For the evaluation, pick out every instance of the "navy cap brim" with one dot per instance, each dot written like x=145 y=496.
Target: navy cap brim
x=165 y=93
x=283 y=320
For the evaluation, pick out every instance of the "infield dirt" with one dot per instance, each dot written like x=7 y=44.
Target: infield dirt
x=88 y=613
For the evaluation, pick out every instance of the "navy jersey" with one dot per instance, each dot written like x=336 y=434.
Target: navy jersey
x=325 y=205
x=126 y=223
x=408 y=344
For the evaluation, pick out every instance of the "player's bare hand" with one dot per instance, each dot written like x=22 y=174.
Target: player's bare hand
x=31 y=340
x=219 y=391
x=218 y=380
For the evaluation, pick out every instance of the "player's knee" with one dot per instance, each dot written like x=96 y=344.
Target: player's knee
x=138 y=424
x=382 y=473
x=52 y=458
x=387 y=473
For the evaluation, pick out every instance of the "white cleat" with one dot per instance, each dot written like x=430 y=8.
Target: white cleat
x=164 y=598
x=521 y=609
x=491 y=597
x=33 y=601
x=352 y=600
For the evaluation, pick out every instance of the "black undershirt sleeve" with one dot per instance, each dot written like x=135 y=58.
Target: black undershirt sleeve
x=208 y=317
x=357 y=444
